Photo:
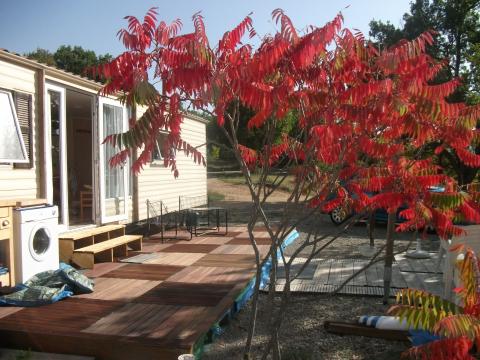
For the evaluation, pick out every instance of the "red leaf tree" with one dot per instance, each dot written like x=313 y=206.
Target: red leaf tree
x=368 y=123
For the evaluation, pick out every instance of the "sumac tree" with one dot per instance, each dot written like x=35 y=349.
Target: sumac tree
x=364 y=119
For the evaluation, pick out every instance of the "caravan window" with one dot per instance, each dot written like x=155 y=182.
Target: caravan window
x=159 y=152
x=12 y=147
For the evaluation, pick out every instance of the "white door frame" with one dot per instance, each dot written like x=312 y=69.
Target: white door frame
x=63 y=207
x=104 y=218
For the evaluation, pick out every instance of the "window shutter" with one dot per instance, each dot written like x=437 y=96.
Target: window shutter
x=23 y=107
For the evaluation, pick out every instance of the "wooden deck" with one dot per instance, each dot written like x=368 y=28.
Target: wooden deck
x=325 y=275
x=156 y=304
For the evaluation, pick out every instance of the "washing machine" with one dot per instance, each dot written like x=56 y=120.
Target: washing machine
x=35 y=240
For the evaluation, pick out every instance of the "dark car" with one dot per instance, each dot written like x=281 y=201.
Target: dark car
x=340 y=214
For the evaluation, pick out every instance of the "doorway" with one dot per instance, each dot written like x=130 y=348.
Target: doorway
x=79 y=144
x=69 y=161
x=85 y=193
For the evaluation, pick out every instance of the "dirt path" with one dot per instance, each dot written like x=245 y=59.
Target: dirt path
x=234 y=192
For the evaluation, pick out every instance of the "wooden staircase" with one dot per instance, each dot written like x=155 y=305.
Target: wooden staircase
x=85 y=247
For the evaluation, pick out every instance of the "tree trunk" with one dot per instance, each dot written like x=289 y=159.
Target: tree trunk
x=371 y=228
x=253 y=314
x=387 y=272
x=458 y=54
x=258 y=278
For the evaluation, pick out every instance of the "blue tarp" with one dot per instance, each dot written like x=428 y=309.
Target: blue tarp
x=421 y=337
x=48 y=287
x=247 y=292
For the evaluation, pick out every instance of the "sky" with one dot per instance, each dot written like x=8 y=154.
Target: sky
x=93 y=24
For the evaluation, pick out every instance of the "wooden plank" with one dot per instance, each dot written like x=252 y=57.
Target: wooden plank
x=117 y=289
x=398 y=279
x=371 y=276
x=30 y=202
x=184 y=326
x=144 y=271
x=140 y=258
x=79 y=234
x=99 y=346
x=335 y=274
x=431 y=283
x=417 y=265
x=7 y=202
x=241 y=249
x=246 y=241
x=179 y=259
x=208 y=240
x=227 y=260
x=173 y=293
x=190 y=248
x=125 y=318
x=379 y=268
x=60 y=317
x=87 y=260
x=402 y=262
x=347 y=271
x=133 y=240
x=203 y=274
x=412 y=280
x=105 y=251
x=101 y=269
x=149 y=246
x=143 y=320
x=8 y=310
x=307 y=273
x=322 y=272
x=360 y=279
x=65 y=250
x=431 y=263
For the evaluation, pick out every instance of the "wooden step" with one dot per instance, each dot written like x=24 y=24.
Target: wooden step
x=70 y=241
x=106 y=250
x=85 y=233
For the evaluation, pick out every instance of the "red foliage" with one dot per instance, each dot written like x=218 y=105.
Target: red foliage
x=445 y=349
x=365 y=114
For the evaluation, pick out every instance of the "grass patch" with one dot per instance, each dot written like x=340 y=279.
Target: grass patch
x=215 y=196
x=287 y=184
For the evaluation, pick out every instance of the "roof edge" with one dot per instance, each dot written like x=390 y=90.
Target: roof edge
x=195 y=117
x=68 y=76
x=50 y=70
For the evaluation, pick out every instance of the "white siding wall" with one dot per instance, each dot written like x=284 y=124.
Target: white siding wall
x=156 y=182
x=20 y=183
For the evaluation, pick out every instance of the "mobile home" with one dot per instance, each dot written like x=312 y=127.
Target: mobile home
x=63 y=120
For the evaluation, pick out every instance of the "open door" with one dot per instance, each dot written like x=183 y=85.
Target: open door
x=113 y=181
x=56 y=152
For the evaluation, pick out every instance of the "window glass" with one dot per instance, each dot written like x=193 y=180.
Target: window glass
x=12 y=148
x=160 y=150
x=112 y=124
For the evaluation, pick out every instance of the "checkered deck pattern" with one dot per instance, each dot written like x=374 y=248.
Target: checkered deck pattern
x=326 y=275
x=155 y=304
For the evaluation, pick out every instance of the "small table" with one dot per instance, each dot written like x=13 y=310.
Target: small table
x=194 y=221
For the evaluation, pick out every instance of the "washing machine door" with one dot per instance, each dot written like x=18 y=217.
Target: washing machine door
x=40 y=241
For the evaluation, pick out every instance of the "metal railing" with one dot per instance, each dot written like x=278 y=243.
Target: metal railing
x=158 y=214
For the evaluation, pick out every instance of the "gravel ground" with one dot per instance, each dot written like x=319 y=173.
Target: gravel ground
x=303 y=335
